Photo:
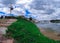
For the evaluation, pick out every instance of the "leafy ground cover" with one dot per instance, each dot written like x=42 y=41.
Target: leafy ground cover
x=24 y=31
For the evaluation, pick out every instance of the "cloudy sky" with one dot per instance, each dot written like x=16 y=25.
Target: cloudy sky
x=38 y=9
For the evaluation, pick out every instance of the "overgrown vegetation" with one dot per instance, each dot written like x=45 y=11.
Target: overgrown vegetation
x=24 y=31
x=55 y=21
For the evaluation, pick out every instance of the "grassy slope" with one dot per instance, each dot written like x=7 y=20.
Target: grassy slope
x=26 y=32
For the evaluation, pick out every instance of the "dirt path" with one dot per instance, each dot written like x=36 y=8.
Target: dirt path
x=6 y=22
x=50 y=35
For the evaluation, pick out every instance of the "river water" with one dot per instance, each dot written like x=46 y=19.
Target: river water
x=55 y=27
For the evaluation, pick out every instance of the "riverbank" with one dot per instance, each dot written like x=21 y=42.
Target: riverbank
x=50 y=30
x=25 y=31
x=49 y=34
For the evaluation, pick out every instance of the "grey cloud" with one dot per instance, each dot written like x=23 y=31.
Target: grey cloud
x=6 y=2
x=39 y=4
x=50 y=11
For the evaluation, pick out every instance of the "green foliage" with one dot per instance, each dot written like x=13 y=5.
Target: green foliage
x=24 y=31
x=55 y=21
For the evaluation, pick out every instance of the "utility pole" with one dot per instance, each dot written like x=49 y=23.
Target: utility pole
x=11 y=8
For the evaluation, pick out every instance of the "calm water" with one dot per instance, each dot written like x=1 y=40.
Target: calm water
x=50 y=26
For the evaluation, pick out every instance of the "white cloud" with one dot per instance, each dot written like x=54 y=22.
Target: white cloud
x=23 y=1
x=40 y=14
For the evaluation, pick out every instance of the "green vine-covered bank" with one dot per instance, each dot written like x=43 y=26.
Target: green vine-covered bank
x=24 y=31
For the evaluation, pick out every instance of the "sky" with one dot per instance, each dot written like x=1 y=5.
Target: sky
x=38 y=9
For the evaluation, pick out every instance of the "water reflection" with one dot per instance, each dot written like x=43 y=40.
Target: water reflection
x=50 y=26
